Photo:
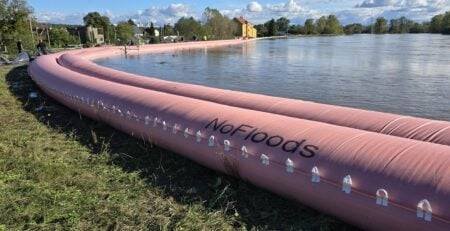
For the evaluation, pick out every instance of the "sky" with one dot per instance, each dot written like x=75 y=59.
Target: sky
x=256 y=11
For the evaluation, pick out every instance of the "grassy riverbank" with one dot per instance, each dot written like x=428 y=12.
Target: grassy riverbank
x=59 y=170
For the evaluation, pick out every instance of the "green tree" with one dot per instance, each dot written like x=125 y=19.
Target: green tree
x=394 y=26
x=309 y=26
x=60 y=37
x=149 y=33
x=110 y=33
x=355 y=28
x=131 y=22
x=381 y=26
x=320 y=25
x=417 y=28
x=261 y=30
x=15 y=19
x=3 y=14
x=282 y=24
x=400 y=25
x=333 y=26
x=151 y=30
x=189 y=28
x=405 y=25
x=125 y=32
x=94 y=19
x=272 y=28
x=168 y=30
x=296 y=29
x=445 y=26
x=426 y=27
x=218 y=26
x=436 y=23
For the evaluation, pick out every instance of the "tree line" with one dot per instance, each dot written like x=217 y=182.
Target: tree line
x=438 y=24
x=215 y=26
x=17 y=24
x=330 y=25
x=324 y=25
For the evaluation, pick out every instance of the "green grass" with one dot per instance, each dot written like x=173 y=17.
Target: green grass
x=62 y=171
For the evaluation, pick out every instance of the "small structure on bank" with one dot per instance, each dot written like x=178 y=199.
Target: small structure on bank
x=94 y=35
x=88 y=34
x=246 y=30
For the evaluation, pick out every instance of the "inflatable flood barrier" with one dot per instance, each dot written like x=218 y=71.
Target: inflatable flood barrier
x=391 y=124
x=372 y=180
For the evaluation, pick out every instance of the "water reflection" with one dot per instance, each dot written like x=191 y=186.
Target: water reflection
x=405 y=74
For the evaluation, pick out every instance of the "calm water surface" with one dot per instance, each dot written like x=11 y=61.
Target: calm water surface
x=404 y=74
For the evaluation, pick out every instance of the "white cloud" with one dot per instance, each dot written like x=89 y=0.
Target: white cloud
x=157 y=15
x=403 y=3
x=363 y=16
x=254 y=7
x=376 y=3
x=414 y=3
x=290 y=9
x=289 y=6
x=237 y=13
x=57 y=17
x=176 y=10
x=296 y=10
x=418 y=10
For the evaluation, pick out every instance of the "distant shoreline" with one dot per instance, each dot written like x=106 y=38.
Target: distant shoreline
x=334 y=35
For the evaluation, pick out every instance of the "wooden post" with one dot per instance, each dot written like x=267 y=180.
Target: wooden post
x=31 y=30
x=48 y=37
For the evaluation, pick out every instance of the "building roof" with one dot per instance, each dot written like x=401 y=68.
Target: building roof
x=241 y=20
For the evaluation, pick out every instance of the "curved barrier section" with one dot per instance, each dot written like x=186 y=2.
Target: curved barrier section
x=372 y=180
x=396 y=125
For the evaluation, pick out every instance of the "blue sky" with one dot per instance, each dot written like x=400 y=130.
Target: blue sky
x=144 y=11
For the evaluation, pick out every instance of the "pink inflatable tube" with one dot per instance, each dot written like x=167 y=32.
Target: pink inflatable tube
x=372 y=180
x=403 y=126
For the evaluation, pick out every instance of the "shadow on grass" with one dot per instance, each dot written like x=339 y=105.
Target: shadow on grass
x=177 y=177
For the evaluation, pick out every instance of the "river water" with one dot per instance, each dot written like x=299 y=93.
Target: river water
x=403 y=74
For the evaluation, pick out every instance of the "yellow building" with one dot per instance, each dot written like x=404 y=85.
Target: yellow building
x=247 y=30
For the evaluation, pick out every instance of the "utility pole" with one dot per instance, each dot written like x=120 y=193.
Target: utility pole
x=48 y=37
x=115 y=35
x=31 y=30
x=79 y=36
